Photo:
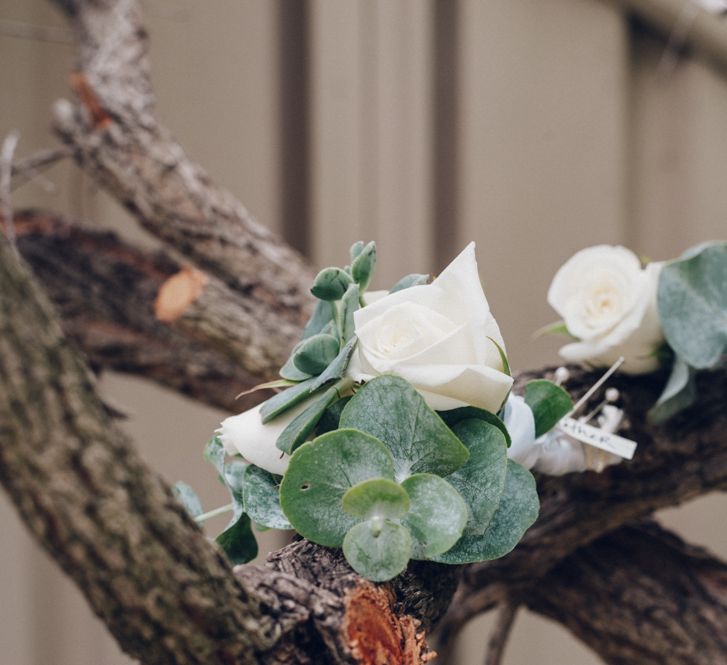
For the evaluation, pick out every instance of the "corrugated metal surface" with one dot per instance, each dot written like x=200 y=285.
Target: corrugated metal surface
x=534 y=128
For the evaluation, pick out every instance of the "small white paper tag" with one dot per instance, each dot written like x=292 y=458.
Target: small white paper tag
x=598 y=438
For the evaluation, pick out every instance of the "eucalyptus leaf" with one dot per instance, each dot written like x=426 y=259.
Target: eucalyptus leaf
x=305 y=422
x=362 y=267
x=330 y=284
x=238 y=540
x=389 y=408
x=332 y=416
x=517 y=511
x=356 y=249
x=314 y=354
x=214 y=453
x=261 y=497
x=481 y=481
x=692 y=303
x=377 y=549
x=548 y=402
x=337 y=369
x=285 y=400
x=415 y=279
x=349 y=304
x=188 y=498
x=323 y=314
x=454 y=416
x=319 y=475
x=376 y=497
x=437 y=516
x=679 y=393
x=234 y=477
x=290 y=372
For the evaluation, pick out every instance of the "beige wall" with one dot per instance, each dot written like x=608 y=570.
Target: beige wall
x=534 y=128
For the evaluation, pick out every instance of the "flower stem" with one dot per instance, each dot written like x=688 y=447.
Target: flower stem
x=214 y=513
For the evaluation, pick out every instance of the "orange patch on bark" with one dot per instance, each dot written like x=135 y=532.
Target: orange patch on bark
x=178 y=293
x=376 y=635
x=100 y=118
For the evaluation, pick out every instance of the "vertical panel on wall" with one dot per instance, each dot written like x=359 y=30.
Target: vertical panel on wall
x=371 y=117
x=542 y=147
x=337 y=106
x=398 y=121
x=679 y=149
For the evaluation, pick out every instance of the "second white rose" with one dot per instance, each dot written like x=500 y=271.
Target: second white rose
x=608 y=303
x=441 y=337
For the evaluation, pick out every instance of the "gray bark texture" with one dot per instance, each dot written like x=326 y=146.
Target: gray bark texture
x=216 y=322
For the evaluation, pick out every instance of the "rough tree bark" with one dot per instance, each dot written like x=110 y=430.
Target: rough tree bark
x=166 y=594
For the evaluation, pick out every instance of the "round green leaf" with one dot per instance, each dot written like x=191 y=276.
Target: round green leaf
x=377 y=549
x=362 y=267
x=330 y=284
x=454 y=416
x=692 y=303
x=437 y=515
x=320 y=473
x=378 y=497
x=517 y=511
x=548 y=402
x=238 y=540
x=260 y=493
x=314 y=354
x=389 y=408
x=481 y=480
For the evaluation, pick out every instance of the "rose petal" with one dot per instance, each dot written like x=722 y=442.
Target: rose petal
x=246 y=434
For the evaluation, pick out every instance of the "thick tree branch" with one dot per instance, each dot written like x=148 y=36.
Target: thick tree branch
x=117 y=139
x=640 y=596
x=677 y=462
x=112 y=525
x=105 y=292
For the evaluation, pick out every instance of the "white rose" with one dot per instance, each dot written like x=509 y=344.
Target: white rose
x=438 y=337
x=608 y=302
x=245 y=434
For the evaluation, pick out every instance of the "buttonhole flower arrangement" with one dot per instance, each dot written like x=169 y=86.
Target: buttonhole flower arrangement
x=674 y=312
x=387 y=437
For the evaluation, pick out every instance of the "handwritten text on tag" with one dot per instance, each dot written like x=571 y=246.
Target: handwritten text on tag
x=593 y=436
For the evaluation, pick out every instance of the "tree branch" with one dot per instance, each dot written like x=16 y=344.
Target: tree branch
x=209 y=352
x=118 y=140
x=674 y=463
x=640 y=596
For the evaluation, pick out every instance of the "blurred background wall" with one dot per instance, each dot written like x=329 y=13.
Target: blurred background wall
x=535 y=128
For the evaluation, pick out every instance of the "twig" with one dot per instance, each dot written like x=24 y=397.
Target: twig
x=29 y=168
x=40 y=33
x=498 y=638
x=7 y=153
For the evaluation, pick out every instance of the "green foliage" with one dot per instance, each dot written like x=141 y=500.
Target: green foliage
x=214 y=453
x=330 y=284
x=305 y=422
x=679 y=393
x=378 y=497
x=237 y=540
x=437 y=516
x=261 y=498
x=378 y=549
x=362 y=266
x=548 y=402
x=516 y=512
x=337 y=369
x=349 y=304
x=454 y=416
x=323 y=314
x=389 y=409
x=415 y=279
x=481 y=480
x=319 y=475
x=314 y=354
x=692 y=303
x=188 y=498
x=285 y=400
